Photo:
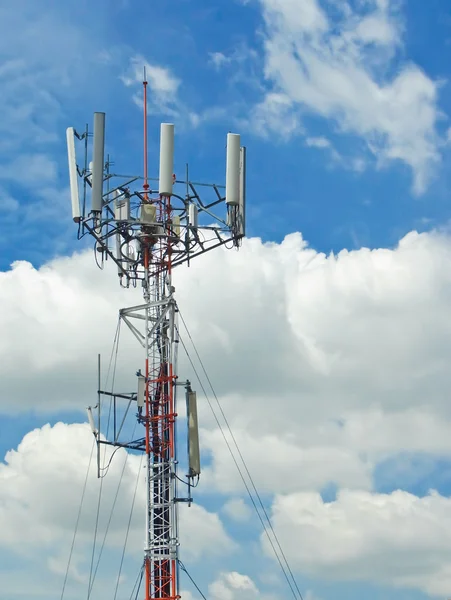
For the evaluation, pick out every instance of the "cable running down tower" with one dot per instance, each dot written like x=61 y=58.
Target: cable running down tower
x=146 y=233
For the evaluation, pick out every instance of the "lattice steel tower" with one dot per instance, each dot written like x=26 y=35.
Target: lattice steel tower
x=147 y=233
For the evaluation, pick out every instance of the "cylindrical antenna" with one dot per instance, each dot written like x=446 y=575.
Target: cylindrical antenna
x=146 y=182
x=73 y=174
x=98 y=159
x=233 y=169
x=166 y=159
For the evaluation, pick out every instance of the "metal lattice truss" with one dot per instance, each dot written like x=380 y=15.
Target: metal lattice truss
x=153 y=325
x=197 y=226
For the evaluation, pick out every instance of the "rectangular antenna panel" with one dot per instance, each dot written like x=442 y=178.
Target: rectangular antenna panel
x=121 y=206
x=166 y=159
x=176 y=225
x=121 y=264
x=233 y=169
x=193 y=436
x=141 y=391
x=73 y=174
x=242 y=203
x=98 y=162
x=91 y=420
x=193 y=215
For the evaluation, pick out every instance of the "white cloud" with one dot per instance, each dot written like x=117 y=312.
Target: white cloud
x=292 y=465
x=328 y=322
x=233 y=585
x=219 y=59
x=237 y=509
x=306 y=16
x=318 y=142
x=160 y=79
x=30 y=170
x=274 y=114
x=338 y=70
x=44 y=80
x=354 y=368
x=396 y=539
x=163 y=97
x=356 y=164
x=36 y=83
x=56 y=458
x=40 y=73
x=309 y=595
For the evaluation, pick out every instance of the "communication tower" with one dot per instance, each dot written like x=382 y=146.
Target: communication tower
x=146 y=227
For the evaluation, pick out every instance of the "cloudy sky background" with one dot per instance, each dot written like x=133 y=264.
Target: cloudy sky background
x=327 y=337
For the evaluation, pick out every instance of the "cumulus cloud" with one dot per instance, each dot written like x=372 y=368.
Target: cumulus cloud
x=292 y=465
x=356 y=344
x=74 y=318
x=57 y=458
x=233 y=585
x=353 y=369
x=396 y=539
x=338 y=69
x=275 y=113
x=237 y=509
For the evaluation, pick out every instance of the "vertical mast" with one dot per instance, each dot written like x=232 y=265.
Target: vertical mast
x=161 y=549
x=161 y=544
x=154 y=232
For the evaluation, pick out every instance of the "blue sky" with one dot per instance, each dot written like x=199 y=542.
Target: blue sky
x=374 y=207
x=345 y=111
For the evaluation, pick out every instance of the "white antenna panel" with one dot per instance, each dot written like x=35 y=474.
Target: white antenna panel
x=120 y=265
x=193 y=436
x=121 y=206
x=176 y=225
x=242 y=202
x=98 y=161
x=166 y=159
x=141 y=391
x=91 y=420
x=73 y=174
x=233 y=169
x=193 y=217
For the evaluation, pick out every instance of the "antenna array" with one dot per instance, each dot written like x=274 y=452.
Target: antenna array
x=124 y=217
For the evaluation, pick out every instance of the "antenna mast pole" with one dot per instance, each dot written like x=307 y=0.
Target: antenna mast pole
x=154 y=232
x=161 y=549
